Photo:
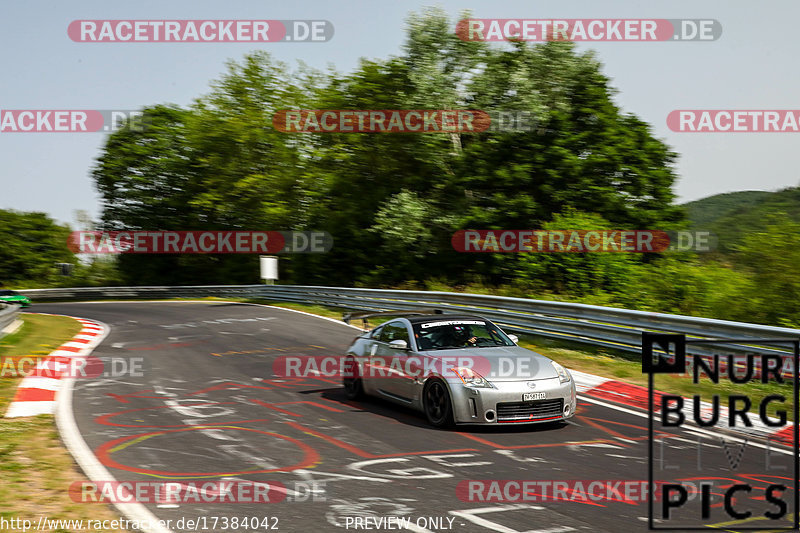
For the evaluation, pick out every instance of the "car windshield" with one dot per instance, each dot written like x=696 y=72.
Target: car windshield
x=7 y=293
x=449 y=334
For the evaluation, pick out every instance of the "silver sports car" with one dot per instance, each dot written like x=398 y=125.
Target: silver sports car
x=457 y=369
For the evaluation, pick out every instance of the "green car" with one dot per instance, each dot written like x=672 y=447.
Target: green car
x=12 y=297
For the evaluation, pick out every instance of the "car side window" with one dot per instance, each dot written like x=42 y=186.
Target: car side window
x=401 y=332
x=394 y=331
x=387 y=335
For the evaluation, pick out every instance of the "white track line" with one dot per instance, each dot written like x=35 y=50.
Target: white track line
x=91 y=466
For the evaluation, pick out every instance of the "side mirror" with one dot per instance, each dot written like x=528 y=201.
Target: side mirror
x=398 y=344
x=514 y=338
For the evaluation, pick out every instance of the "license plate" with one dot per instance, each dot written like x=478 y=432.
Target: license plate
x=528 y=396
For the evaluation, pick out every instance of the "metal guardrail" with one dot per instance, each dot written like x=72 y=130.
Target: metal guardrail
x=608 y=327
x=8 y=314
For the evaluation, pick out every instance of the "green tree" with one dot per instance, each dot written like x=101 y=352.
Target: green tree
x=772 y=256
x=216 y=165
x=584 y=152
x=219 y=163
x=32 y=244
x=406 y=225
x=578 y=274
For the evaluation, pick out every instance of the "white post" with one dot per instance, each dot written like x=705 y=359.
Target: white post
x=269 y=268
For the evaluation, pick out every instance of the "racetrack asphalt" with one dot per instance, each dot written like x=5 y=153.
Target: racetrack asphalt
x=202 y=404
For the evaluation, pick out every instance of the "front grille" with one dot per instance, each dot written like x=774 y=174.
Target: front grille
x=523 y=411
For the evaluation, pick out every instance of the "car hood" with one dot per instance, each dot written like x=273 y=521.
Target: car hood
x=501 y=363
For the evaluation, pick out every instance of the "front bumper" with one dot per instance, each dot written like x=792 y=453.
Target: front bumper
x=503 y=404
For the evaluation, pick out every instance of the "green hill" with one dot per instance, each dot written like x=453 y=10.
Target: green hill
x=706 y=210
x=732 y=215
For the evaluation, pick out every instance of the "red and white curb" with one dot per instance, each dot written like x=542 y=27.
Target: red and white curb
x=41 y=393
x=630 y=395
x=36 y=394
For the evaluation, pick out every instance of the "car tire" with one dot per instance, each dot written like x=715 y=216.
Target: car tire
x=353 y=386
x=437 y=405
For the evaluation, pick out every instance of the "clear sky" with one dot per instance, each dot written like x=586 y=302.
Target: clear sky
x=752 y=66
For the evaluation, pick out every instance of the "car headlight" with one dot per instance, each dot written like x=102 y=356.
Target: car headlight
x=563 y=375
x=471 y=378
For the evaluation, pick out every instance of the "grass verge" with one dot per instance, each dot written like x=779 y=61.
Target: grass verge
x=39 y=335
x=35 y=468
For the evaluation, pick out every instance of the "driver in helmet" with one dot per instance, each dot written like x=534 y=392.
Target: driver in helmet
x=462 y=337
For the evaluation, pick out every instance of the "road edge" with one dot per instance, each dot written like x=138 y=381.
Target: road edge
x=83 y=455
